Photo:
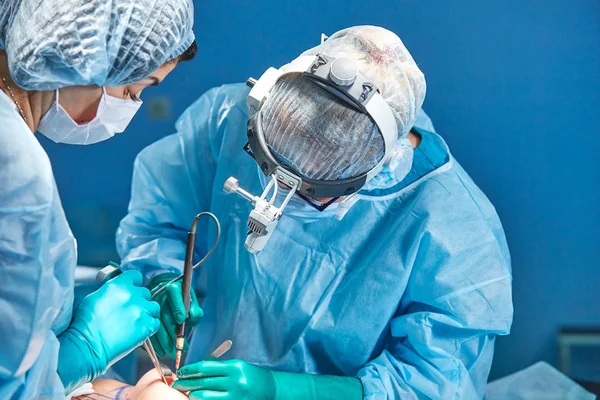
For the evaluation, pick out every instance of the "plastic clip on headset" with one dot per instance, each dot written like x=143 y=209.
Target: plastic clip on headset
x=264 y=217
x=341 y=77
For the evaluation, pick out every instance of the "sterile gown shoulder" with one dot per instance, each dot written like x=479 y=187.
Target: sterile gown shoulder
x=37 y=261
x=200 y=127
x=173 y=180
x=25 y=164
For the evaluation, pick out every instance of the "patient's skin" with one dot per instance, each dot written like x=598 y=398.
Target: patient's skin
x=149 y=387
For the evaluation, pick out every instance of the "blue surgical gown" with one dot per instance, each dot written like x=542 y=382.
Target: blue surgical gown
x=407 y=292
x=37 y=263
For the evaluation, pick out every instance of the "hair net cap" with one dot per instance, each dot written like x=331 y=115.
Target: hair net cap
x=58 y=43
x=382 y=57
x=320 y=137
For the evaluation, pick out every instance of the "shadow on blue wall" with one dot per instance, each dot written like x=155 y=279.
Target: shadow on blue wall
x=513 y=86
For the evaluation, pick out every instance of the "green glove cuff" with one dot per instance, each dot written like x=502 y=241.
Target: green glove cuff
x=290 y=386
x=74 y=367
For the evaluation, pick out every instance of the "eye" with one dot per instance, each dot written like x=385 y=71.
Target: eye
x=132 y=96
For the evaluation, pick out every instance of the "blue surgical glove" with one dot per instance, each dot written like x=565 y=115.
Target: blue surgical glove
x=172 y=312
x=238 y=380
x=108 y=325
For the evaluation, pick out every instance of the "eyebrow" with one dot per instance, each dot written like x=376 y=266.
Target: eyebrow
x=155 y=81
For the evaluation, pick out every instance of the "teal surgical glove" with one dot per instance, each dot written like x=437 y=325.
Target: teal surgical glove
x=172 y=312
x=238 y=380
x=107 y=326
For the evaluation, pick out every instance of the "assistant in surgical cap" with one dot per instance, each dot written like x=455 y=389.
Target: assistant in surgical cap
x=318 y=136
x=57 y=43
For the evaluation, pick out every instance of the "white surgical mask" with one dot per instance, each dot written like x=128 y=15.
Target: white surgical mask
x=113 y=116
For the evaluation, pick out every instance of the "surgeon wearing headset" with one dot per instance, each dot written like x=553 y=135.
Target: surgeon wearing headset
x=73 y=70
x=358 y=258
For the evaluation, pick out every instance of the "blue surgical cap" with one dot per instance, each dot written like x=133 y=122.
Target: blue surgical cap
x=57 y=43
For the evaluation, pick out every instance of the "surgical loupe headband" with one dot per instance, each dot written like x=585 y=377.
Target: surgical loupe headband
x=341 y=77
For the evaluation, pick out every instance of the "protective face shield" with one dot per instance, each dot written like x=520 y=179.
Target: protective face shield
x=342 y=78
x=113 y=116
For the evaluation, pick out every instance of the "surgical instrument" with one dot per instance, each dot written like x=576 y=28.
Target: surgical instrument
x=110 y=271
x=190 y=250
x=217 y=353
x=114 y=269
x=222 y=349
x=157 y=365
x=186 y=287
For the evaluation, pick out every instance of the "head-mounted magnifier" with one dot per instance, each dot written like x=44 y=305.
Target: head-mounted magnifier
x=341 y=77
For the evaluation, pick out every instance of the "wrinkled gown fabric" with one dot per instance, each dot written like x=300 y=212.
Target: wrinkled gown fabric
x=37 y=264
x=407 y=292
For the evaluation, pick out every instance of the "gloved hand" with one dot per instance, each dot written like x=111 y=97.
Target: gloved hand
x=238 y=380
x=107 y=326
x=172 y=312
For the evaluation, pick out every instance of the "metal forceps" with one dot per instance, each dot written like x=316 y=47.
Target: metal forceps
x=109 y=272
x=154 y=358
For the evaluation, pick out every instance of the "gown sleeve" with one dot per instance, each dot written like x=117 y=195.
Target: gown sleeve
x=37 y=260
x=172 y=182
x=458 y=299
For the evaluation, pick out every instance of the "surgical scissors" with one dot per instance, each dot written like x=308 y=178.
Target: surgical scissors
x=154 y=358
x=110 y=271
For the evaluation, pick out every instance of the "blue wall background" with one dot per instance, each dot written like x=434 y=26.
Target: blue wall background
x=513 y=86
